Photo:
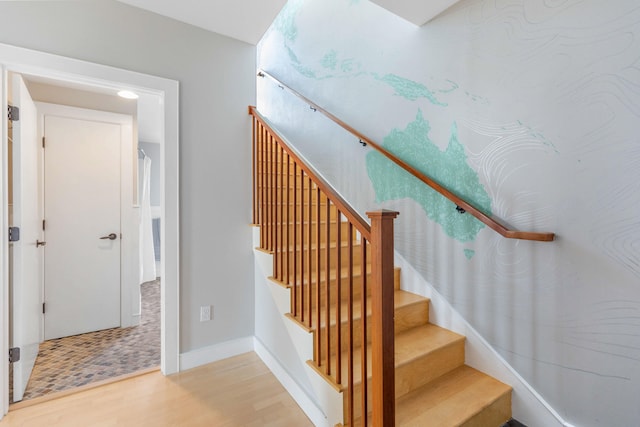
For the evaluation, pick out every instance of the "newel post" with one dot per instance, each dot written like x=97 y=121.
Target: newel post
x=382 y=335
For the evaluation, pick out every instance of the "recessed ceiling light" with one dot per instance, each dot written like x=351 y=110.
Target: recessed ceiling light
x=128 y=94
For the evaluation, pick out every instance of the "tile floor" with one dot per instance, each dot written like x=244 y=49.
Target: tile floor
x=70 y=362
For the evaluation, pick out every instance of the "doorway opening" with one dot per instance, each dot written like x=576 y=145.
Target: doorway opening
x=70 y=73
x=79 y=183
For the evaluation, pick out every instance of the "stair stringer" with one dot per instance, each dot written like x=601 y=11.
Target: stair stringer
x=528 y=406
x=321 y=402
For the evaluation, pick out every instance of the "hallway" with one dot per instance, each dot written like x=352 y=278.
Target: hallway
x=75 y=361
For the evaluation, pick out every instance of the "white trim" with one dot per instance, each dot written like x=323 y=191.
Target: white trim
x=27 y=61
x=216 y=352
x=305 y=403
x=4 y=243
x=528 y=406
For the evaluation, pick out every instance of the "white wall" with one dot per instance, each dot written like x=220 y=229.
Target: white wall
x=216 y=85
x=285 y=346
x=530 y=109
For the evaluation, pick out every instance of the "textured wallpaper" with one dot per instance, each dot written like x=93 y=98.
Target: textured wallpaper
x=529 y=109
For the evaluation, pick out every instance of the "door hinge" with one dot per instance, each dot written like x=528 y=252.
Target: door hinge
x=43 y=142
x=14 y=234
x=13 y=113
x=44 y=224
x=14 y=354
x=44 y=307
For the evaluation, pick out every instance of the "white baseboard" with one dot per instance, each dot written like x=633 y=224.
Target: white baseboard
x=202 y=356
x=315 y=414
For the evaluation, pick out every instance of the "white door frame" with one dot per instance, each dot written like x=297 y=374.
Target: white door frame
x=32 y=62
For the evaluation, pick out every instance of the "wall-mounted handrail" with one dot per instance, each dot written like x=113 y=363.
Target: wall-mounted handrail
x=491 y=222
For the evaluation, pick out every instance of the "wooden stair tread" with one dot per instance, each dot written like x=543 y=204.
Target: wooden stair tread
x=410 y=345
x=454 y=400
x=417 y=341
x=465 y=397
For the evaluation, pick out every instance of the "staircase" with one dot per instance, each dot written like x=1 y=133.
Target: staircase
x=323 y=254
x=433 y=386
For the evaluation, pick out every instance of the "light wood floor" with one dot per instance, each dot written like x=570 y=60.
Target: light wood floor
x=239 y=391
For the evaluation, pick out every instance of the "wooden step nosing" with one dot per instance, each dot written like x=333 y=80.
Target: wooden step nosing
x=463 y=375
x=278 y=282
x=299 y=323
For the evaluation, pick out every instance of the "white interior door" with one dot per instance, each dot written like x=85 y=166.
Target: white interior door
x=82 y=208
x=26 y=289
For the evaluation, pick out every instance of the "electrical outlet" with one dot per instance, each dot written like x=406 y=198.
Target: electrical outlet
x=205 y=313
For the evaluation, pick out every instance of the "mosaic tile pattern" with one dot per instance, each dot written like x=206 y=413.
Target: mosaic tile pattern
x=70 y=362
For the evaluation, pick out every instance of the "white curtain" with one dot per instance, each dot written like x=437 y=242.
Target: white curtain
x=147 y=256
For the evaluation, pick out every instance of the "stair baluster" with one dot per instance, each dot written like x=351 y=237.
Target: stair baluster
x=306 y=238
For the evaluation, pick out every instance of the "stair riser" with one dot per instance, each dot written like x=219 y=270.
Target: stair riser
x=287 y=194
x=296 y=213
x=406 y=317
x=286 y=232
x=276 y=165
x=425 y=369
x=344 y=288
x=310 y=258
x=357 y=290
x=277 y=170
x=300 y=194
x=495 y=414
x=278 y=174
x=417 y=373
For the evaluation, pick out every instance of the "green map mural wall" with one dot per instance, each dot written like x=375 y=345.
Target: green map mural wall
x=526 y=108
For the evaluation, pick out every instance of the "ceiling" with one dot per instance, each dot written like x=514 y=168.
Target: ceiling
x=417 y=11
x=248 y=20
x=149 y=108
x=245 y=20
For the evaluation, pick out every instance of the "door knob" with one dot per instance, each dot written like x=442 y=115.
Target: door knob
x=112 y=236
x=39 y=243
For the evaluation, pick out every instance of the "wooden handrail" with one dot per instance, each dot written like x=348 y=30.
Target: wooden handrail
x=489 y=221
